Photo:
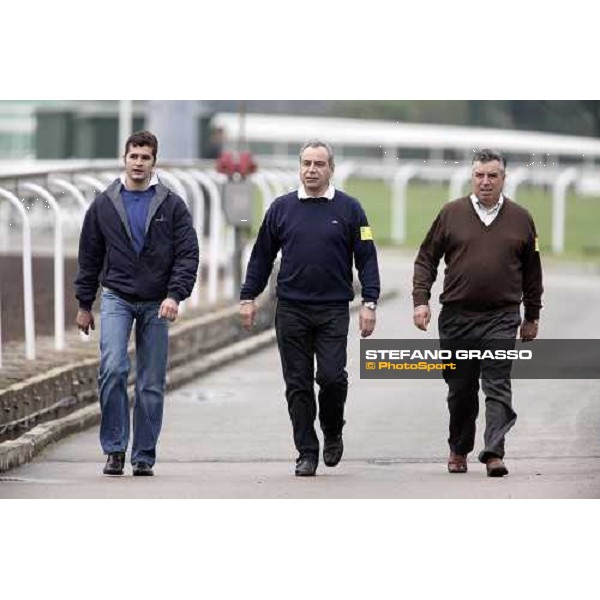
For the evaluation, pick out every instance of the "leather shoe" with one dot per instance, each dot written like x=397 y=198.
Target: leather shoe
x=495 y=467
x=457 y=463
x=114 y=463
x=142 y=469
x=333 y=448
x=306 y=466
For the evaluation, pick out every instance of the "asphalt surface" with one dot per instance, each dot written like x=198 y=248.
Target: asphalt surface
x=227 y=435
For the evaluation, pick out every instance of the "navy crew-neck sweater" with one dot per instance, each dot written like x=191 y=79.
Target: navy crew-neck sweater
x=318 y=239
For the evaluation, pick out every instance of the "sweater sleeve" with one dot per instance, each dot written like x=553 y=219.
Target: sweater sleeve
x=365 y=257
x=90 y=259
x=532 y=276
x=263 y=255
x=426 y=263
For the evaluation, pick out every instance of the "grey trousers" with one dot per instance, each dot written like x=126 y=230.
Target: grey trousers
x=479 y=331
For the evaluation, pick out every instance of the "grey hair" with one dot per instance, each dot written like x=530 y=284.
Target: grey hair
x=319 y=144
x=486 y=155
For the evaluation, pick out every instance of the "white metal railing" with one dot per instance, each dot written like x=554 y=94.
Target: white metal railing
x=227 y=247
x=67 y=186
x=559 y=179
x=59 y=263
x=458 y=179
x=95 y=183
x=514 y=179
x=399 y=190
x=214 y=235
x=68 y=193
x=559 y=192
x=27 y=274
x=198 y=219
x=200 y=188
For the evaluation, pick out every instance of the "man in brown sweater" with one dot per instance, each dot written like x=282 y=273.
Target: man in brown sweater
x=490 y=247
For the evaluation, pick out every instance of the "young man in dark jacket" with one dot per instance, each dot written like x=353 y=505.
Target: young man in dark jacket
x=139 y=243
x=320 y=231
x=490 y=247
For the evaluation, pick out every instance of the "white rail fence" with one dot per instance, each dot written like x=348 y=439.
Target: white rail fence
x=24 y=204
x=25 y=199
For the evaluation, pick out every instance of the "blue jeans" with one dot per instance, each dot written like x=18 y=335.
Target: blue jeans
x=151 y=342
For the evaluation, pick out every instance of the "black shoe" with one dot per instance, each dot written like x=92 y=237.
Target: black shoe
x=495 y=467
x=333 y=448
x=306 y=466
x=114 y=463
x=142 y=469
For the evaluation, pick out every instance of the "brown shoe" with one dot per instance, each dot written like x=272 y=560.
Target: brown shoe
x=495 y=467
x=457 y=463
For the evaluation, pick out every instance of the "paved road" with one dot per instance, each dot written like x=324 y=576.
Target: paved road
x=228 y=435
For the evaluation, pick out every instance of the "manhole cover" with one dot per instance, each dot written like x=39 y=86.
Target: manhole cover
x=205 y=395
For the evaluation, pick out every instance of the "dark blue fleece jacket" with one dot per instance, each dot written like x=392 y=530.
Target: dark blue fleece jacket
x=168 y=261
x=318 y=239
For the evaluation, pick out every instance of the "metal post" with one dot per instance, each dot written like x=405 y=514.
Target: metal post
x=0 y=329
x=514 y=180
x=275 y=180
x=172 y=182
x=227 y=252
x=125 y=125
x=268 y=195
x=238 y=247
x=175 y=124
x=559 y=192
x=457 y=182
x=73 y=190
x=399 y=187
x=214 y=233
x=4 y=227
x=342 y=173
x=27 y=275
x=198 y=217
x=59 y=277
x=92 y=182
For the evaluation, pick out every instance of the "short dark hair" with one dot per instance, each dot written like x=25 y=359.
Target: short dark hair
x=319 y=144
x=486 y=155
x=142 y=138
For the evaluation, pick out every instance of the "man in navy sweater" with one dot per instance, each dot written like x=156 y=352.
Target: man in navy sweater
x=138 y=241
x=320 y=232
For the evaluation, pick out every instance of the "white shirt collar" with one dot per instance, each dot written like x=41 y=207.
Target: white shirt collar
x=329 y=194
x=480 y=207
x=153 y=180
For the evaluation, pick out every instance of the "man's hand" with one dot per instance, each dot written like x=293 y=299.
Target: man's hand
x=366 y=321
x=528 y=330
x=248 y=314
x=85 y=321
x=169 y=309
x=422 y=316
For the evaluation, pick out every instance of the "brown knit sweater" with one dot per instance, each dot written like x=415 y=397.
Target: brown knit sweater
x=487 y=267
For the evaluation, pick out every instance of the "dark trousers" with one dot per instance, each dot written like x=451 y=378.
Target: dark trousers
x=479 y=331
x=306 y=331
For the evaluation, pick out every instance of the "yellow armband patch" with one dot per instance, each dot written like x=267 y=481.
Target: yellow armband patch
x=537 y=245
x=366 y=233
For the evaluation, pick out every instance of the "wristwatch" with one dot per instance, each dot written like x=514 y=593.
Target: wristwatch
x=370 y=305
